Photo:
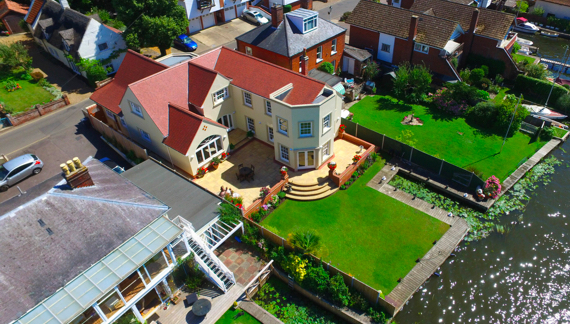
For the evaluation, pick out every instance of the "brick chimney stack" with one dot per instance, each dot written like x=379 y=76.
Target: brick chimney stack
x=469 y=37
x=303 y=62
x=412 y=33
x=474 y=21
x=76 y=174
x=276 y=15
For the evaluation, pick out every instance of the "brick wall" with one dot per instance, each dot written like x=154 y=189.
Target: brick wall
x=402 y=51
x=265 y=55
x=38 y=110
x=488 y=47
x=327 y=57
x=364 y=38
x=433 y=61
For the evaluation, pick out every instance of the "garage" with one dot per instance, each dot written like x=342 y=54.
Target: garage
x=208 y=20
x=194 y=25
x=240 y=8
x=230 y=13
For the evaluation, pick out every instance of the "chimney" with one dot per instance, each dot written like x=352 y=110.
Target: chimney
x=76 y=174
x=474 y=21
x=276 y=15
x=413 y=28
x=64 y=4
x=303 y=62
x=307 y=4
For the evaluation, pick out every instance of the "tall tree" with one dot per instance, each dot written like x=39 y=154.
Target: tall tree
x=151 y=22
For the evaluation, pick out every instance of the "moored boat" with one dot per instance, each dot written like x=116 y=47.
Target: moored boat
x=549 y=33
x=523 y=41
x=541 y=111
x=524 y=26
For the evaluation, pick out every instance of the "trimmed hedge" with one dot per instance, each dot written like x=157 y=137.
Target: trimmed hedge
x=495 y=66
x=541 y=88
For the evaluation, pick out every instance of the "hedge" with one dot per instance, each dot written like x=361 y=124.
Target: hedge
x=539 y=88
x=495 y=66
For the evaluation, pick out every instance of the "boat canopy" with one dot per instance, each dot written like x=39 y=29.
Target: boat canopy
x=522 y=19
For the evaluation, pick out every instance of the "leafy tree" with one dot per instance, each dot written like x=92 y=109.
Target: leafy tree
x=538 y=11
x=338 y=290
x=476 y=75
x=371 y=71
x=94 y=70
x=522 y=6
x=307 y=241
x=151 y=22
x=327 y=67
x=412 y=82
x=14 y=56
x=505 y=114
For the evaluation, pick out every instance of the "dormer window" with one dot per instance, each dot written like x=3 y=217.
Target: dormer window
x=305 y=20
x=310 y=24
x=103 y=46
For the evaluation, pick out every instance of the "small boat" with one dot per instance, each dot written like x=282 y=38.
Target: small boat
x=525 y=50
x=523 y=41
x=524 y=26
x=541 y=111
x=549 y=33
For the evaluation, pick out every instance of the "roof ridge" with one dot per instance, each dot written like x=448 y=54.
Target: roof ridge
x=480 y=9
x=418 y=12
x=153 y=75
x=110 y=201
x=182 y=109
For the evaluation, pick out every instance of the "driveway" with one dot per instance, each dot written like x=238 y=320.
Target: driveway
x=54 y=138
x=219 y=35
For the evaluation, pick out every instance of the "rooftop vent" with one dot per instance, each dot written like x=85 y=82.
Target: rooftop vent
x=50 y=232
x=41 y=222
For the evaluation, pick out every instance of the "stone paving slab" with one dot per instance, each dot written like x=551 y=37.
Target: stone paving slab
x=244 y=263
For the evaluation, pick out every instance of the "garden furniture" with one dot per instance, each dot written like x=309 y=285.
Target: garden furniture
x=246 y=173
x=240 y=165
x=201 y=307
x=191 y=299
x=239 y=177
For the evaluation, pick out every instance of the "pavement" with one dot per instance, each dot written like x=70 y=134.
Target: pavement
x=54 y=138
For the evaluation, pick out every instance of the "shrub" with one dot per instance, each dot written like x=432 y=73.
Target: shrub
x=338 y=291
x=371 y=71
x=516 y=47
x=522 y=6
x=538 y=11
x=327 y=67
x=485 y=69
x=483 y=113
x=492 y=186
x=345 y=15
x=499 y=79
x=412 y=82
x=484 y=83
x=295 y=266
x=536 y=71
x=37 y=76
x=287 y=8
x=547 y=133
x=15 y=56
x=317 y=279
x=358 y=302
x=376 y=316
x=229 y=213
x=563 y=103
x=307 y=241
x=476 y=75
x=342 y=187
x=537 y=87
x=465 y=75
x=454 y=62
x=495 y=66
x=281 y=194
x=505 y=114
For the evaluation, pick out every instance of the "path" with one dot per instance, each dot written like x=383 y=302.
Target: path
x=258 y=312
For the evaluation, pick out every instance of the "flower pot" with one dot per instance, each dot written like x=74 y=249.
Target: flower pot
x=214 y=166
x=199 y=175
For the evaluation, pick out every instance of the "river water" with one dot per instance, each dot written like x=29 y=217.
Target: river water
x=518 y=277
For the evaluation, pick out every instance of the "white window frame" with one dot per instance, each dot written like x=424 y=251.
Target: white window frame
x=220 y=95
x=268 y=109
x=99 y=47
x=327 y=123
x=280 y=124
x=333 y=47
x=270 y=134
x=136 y=109
x=248 y=50
x=306 y=21
x=301 y=129
x=418 y=47
x=248 y=124
x=145 y=135
x=219 y=150
x=326 y=149
x=283 y=149
x=319 y=54
x=247 y=97
x=385 y=48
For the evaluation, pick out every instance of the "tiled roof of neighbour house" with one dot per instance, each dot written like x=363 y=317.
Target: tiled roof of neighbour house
x=64 y=22
x=133 y=68
x=113 y=29
x=559 y=2
x=86 y=225
x=16 y=7
x=34 y=10
x=465 y=2
x=46 y=23
x=287 y=40
x=492 y=23
x=261 y=77
x=183 y=125
x=200 y=81
x=357 y=53
x=432 y=31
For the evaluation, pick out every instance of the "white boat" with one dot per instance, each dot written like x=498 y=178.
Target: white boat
x=524 y=26
x=524 y=42
x=525 y=50
x=541 y=111
x=549 y=33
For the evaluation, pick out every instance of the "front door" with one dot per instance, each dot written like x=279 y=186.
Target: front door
x=227 y=120
x=306 y=159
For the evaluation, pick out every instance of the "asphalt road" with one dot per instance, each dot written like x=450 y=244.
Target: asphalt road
x=54 y=138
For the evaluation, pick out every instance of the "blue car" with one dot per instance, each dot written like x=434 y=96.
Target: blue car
x=186 y=43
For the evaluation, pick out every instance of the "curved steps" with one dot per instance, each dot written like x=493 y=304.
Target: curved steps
x=311 y=191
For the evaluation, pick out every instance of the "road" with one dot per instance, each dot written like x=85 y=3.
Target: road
x=54 y=138
x=337 y=8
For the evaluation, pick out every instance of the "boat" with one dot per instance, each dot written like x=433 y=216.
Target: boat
x=523 y=41
x=549 y=33
x=541 y=111
x=525 y=50
x=524 y=26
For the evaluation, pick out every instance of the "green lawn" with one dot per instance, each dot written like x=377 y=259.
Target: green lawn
x=22 y=99
x=228 y=318
x=365 y=233
x=519 y=57
x=447 y=137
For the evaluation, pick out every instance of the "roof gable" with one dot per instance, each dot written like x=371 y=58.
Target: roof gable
x=16 y=7
x=34 y=11
x=200 y=80
x=133 y=68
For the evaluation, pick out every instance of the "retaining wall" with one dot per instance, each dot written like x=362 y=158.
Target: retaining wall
x=37 y=111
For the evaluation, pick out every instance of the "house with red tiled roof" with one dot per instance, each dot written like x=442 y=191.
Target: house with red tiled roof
x=11 y=13
x=184 y=113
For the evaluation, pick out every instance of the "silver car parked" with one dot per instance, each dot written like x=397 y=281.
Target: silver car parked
x=18 y=169
x=255 y=17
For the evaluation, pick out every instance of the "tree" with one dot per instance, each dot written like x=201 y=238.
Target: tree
x=371 y=71
x=522 y=6
x=505 y=112
x=151 y=22
x=14 y=56
x=94 y=70
x=307 y=241
x=327 y=68
x=412 y=82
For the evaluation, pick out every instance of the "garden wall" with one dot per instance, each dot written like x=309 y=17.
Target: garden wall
x=260 y=202
x=37 y=111
x=340 y=179
x=371 y=294
x=412 y=155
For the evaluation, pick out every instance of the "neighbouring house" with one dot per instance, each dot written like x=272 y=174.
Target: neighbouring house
x=202 y=14
x=433 y=32
x=109 y=93
x=355 y=60
x=298 y=40
x=557 y=8
x=184 y=113
x=295 y=4
x=407 y=4
x=70 y=36
x=99 y=245
x=11 y=13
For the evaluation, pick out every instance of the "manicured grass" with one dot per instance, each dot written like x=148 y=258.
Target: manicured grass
x=447 y=137
x=365 y=233
x=22 y=99
x=559 y=132
x=519 y=57
x=228 y=318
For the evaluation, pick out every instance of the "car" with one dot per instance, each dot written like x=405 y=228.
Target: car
x=255 y=17
x=186 y=43
x=18 y=169
x=112 y=164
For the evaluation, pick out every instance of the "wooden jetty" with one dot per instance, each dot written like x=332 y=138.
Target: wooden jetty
x=555 y=65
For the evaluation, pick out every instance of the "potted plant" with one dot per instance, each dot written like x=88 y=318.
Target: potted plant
x=283 y=171
x=341 y=129
x=201 y=172
x=492 y=187
x=232 y=147
x=355 y=158
x=250 y=133
x=215 y=163
x=331 y=165
x=224 y=156
x=263 y=192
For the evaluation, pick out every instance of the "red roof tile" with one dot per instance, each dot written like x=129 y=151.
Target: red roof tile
x=133 y=68
x=16 y=7
x=113 y=29
x=199 y=83
x=261 y=77
x=183 y=125
x=34 y=11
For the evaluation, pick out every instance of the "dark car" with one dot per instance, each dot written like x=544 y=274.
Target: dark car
x=18 y=169
x=186 y=43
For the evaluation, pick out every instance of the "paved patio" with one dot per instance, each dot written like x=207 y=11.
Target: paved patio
x=240 y=259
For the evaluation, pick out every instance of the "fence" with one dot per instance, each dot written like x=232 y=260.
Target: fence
x=37 y=111
x=409 y=154
x=371 y=294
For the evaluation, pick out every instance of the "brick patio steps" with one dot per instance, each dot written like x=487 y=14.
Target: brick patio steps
x=311 y=191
